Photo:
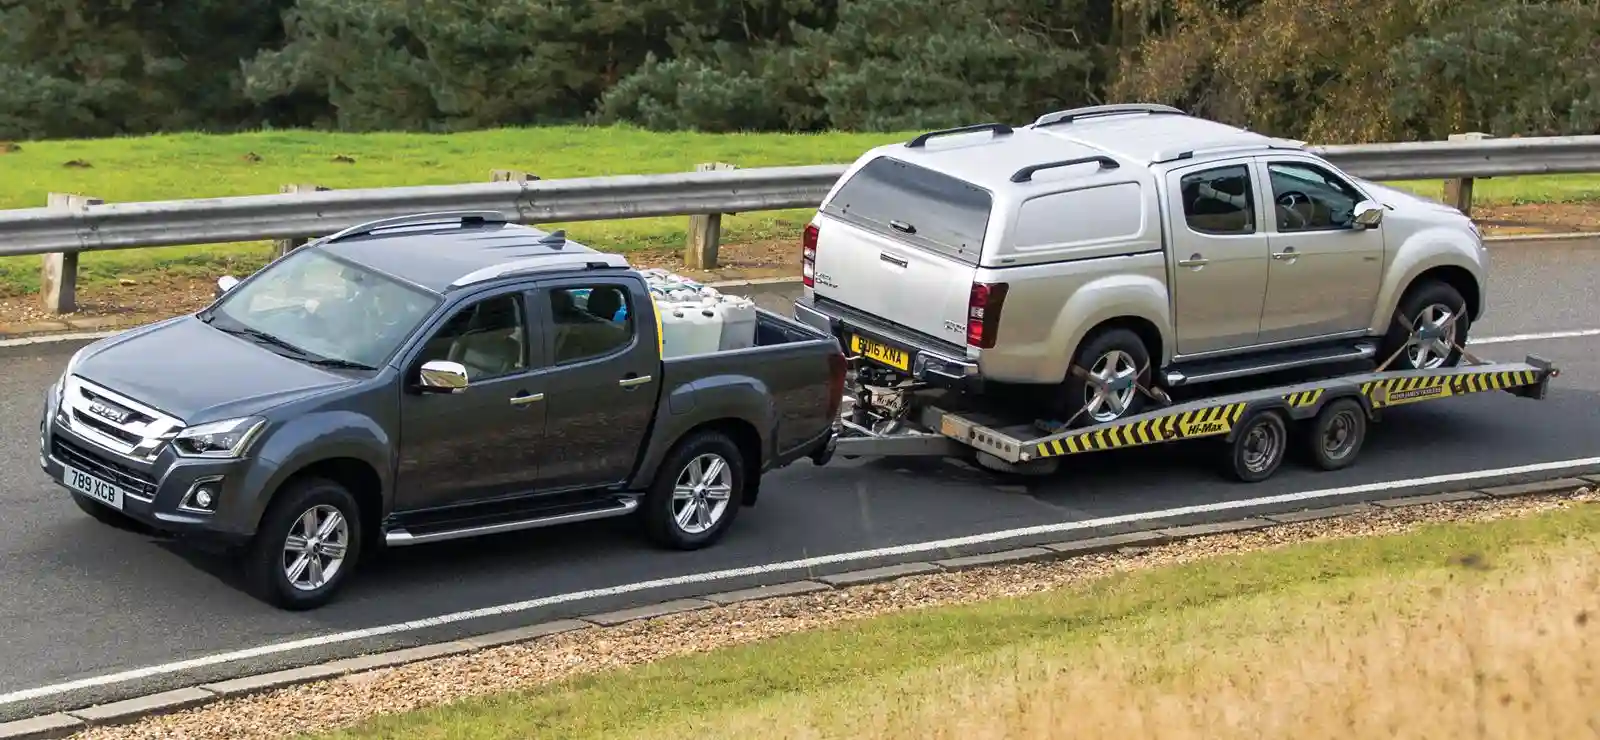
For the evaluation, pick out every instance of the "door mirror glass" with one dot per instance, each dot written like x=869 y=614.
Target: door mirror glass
x=225 y=284
x=1368 y=214
x=443 y=376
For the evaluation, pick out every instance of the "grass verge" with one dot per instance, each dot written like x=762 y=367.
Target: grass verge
x=196 y=165
x=1451 y=630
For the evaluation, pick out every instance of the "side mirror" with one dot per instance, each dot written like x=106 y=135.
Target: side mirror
x=225 y=284
x=443 y=376
x=1368 y=214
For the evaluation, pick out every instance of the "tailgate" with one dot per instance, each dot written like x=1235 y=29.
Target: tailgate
x=901 y=243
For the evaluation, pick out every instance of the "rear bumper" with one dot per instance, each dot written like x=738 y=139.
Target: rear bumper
x=935 y=366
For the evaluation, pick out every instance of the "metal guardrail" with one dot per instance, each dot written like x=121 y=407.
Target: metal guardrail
x=301 y=215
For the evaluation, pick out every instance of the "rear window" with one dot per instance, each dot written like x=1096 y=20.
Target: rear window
x=942 y=213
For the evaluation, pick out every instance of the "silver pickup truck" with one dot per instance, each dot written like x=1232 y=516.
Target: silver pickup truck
x=1138 y=243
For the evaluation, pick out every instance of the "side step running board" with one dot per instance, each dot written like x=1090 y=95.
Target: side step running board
x=399 y=537
x=1244 y=368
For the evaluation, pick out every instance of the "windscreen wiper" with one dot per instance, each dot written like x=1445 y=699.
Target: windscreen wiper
x=266 y=338
x=336 y=362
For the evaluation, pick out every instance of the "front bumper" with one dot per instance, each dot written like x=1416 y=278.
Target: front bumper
x=158 y=493
x=934 y=366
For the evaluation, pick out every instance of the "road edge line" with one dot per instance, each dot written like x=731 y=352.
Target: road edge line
x=65 y=723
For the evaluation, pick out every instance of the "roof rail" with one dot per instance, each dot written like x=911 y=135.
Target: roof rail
x=466 y=219
x=582 y=260
x=999 y=129
x=1026 y=173
x=1191 y=151
x=1073 y=114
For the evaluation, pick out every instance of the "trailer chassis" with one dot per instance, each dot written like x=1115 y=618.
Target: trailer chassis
x=887 y=415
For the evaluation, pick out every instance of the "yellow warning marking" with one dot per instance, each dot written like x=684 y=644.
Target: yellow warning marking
x=1210 y=421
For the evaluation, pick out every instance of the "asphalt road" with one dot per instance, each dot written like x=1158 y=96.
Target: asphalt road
x=78 y=599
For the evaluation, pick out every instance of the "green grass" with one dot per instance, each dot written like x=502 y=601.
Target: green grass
x=195 y=165
x=872 y=678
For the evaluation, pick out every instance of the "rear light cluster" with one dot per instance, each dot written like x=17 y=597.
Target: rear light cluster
x=983 y=313
x=808 y=256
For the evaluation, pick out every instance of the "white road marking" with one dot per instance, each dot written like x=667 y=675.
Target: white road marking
x=1533 y=337
x=721 y=575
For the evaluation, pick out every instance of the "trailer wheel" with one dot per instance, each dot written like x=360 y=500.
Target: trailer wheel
x=1335 y=437
x=1258 y=447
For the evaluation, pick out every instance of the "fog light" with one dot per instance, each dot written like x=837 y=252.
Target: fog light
x=202 y=496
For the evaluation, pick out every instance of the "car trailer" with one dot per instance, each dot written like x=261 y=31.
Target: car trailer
x=905 y=420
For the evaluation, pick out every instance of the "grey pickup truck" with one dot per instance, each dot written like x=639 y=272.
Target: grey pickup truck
x=427 y=378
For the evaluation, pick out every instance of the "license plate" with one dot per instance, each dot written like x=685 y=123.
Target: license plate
x=91 y=486
x=879 y=352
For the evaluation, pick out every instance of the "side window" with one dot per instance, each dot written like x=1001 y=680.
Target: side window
x=590 y=322
x=487 y=337
x=1219 y=200
x=1309 y=198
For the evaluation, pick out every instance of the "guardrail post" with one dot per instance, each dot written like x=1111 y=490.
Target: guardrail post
x=281 y=247
x=58 y=275
x=511 y=176
x=1458 y=192
x=705 y=230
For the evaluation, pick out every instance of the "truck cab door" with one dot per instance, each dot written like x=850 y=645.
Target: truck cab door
x=480 y=442
x=1326 y=270
x=1217 y=256
x=603 y=379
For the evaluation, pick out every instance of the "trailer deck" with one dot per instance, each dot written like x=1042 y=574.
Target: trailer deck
x=896 y=421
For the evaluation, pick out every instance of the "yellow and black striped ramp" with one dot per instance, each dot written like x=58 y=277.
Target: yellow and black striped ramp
x=1397 y=391
x=1202 y=422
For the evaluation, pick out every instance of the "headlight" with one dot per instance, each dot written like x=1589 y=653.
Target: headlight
x=219 y=439
x=60 y=387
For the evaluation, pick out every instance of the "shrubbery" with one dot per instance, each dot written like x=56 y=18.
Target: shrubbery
x=1324 y=70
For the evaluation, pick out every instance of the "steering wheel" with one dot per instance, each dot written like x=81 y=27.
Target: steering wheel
x=1287 y=202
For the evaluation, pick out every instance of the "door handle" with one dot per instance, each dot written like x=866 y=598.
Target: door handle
x=1288 y=253
x=1195 y=260
x=632 y=382
x=526 y=399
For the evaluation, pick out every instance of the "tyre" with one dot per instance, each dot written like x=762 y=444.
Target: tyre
x=1427 y=305
x=1258 y=447
x=1334 y=438
x=697 y=492
x=109 y=516
x=307 y=547
x=1119 y=359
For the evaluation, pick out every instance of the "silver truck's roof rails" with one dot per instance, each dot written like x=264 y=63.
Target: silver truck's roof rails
x=464 y=219
x=921 y=141
x=1190 y=151
x=1092 y=111
x=1026 y=173
x=585 y=259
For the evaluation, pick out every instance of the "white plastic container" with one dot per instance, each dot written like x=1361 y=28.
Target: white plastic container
x=689 y=329
x=738 y=315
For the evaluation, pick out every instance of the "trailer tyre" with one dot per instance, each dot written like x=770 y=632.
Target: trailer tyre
x=697 y=492
x=1118 y=357
x=1258 y=447
x=1334 y=438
